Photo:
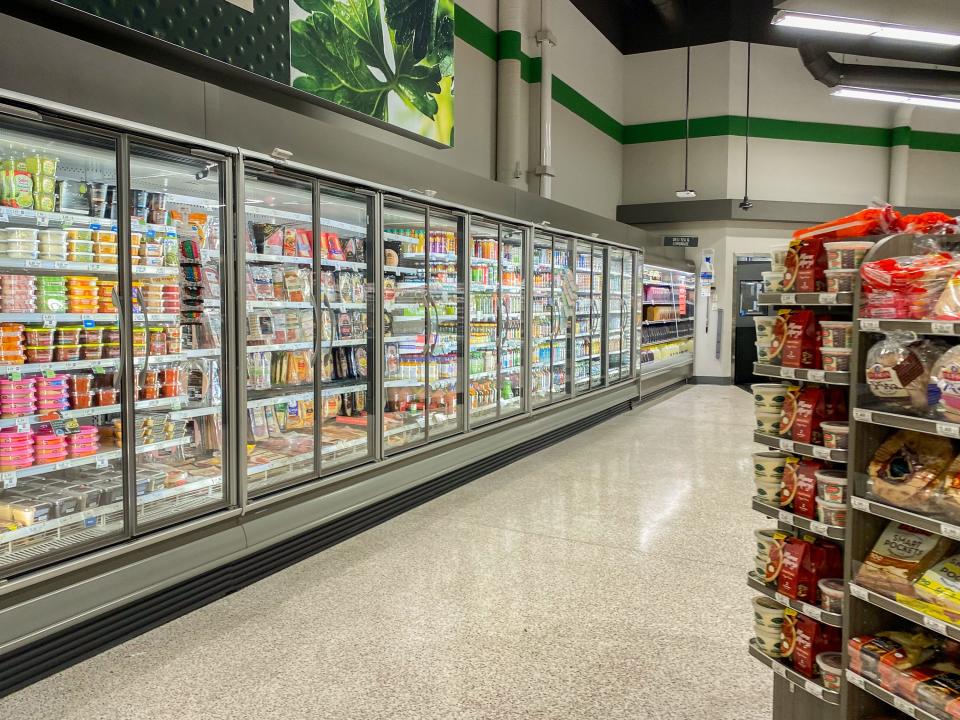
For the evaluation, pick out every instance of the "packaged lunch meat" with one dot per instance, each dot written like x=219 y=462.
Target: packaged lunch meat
x=898 y=368
x=900 y=556
x=940 y=695
x=871 y=656
x=801 y=349
x=906 y=467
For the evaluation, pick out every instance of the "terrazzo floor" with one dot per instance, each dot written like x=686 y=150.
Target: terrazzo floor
x=601 y=578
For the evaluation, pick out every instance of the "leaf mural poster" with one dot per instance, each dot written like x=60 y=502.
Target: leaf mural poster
x=390 y=59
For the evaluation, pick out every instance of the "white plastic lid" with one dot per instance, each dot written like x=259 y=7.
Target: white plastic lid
x=771 y=274
x=834 y=477
x=836 y=427
x=831 y=586
x=830 y=505
x=831 y=662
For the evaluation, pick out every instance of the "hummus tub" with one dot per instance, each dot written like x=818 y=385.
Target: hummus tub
x=836 y=333
x=767 y=613
x=840 y=280
x=772 y=281
x=846 y=255
x=836 y=359
x=836 y=435
x=767 y=354
x=832 y=485
x=832 y=513
x=768 y=489
x=768 y=397
x=831 y=594
x=769 y=463
x=831 y=669
x=768 y=422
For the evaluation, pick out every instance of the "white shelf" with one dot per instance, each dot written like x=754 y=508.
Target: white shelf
x=281 y=396
x=201 y=353
x=815 y=612
x=280 y=463
x=265 y=213
x=195 y=412
x=23 y=216
x=289 y=259
x=278 y=305
x=805 y=449
x=343 y=389
x=282 y=347
x=343 y=264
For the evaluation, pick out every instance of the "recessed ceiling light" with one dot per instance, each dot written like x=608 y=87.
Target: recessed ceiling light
x=862 y=27
x=935 y=101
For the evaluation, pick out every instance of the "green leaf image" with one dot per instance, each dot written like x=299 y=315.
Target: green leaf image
x=351 y=53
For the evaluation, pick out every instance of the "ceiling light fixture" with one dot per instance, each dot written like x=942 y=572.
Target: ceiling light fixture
x=862 y=27
x=936 y=101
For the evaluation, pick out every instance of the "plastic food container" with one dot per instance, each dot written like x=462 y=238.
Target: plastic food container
x=831 y=513
x=51 y=303
x=832 y=485
x=840 y=280
x=66 y=353
x=68 y=334
x=767 y=613
x=38 y=336
x=831 y=594
x=91 y=335
x=91 y=351
x=835 y=435
x=769 y=463
x=106 y=396
x=778 y=259
x=836 y=359
x=831 y=669
x=12 y=357
x=846 y=255
x=10 y=234
x=39 y=353
x=76 y=245
x=766 y=328
x=772 y=281
x=81 y=401
x=766 y=353
x=50 y=236
x=836 y=333
x=173 y=340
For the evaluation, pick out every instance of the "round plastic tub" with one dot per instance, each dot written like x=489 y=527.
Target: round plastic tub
x=68 y=334
x=12 y=357
x=150 y=392
x=768 y=423
x=66 y=353
x=15 y=410
x=846 y=254
x=836 y=333
x=84 y=450
x=766 y=327
x=832 y=485
x=106 y=396
x=91 y=335
x=43 y=458
x=832 y=513
x=766 y=353
x=840 y=280
x=81 y=401
x=769 y=463
x=91 y=351
x=767 y=613
x=55 y=381
x=21 y=385
x=51 y=405
x=772 y=281
x=831 y=594
x=836 y=359
x=831 y=669
x=835 y=434
x=778 y=258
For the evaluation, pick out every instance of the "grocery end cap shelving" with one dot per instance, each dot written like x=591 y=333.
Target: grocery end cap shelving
x=892 y=606
x=916 y=520
x=920 y=327
x=807 y=450
x=792 y=676
x=834 y=532
x=810 y=375
x=755 y=582
x=901 y=704
x=930 y=426
x=827 y=299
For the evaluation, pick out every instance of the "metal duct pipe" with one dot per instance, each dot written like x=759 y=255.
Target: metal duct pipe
x=511 y=123
x=831 y=73
x=546 y=40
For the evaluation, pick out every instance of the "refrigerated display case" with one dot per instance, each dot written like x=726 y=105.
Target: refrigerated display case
x=552 y=318
x=588 y=329
x=496 y=364
x=666 y=310
x=423 y=324
x=619 y=300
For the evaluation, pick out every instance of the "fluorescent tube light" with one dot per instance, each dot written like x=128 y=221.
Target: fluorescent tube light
x=935 y=101
x=864 y=28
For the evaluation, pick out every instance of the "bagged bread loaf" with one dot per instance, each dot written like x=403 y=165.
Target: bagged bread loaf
x=945 y=384
x=900 y=556
x=946 y=497
x=898 y=368
x=905 y=469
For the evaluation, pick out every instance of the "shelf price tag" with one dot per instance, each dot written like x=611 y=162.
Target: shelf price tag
x=904 y=706
x=821 y=453
x=8 y=480
x=43 y=219
x=950 y=531
x=49 y=321
x=951 y=430
x=862 y=415
x=942 y=328
x=3 y=215
x=814 y=688
x=788 y=372
x=854 y=679
x=785 y=516
x=818 y=527
x=779 y=669
x=859 y=592
x=816 y=375
x=858 y=503
x=828 y=298
x=786 y=445
x=869 y=324
x=781 y=598
x=938 y=626
x=102 y=462
x=788 y=299
x=33 y=264
x=812 y=611
x=23 y=425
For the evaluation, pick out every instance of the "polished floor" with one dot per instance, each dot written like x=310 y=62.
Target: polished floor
x=601 y=578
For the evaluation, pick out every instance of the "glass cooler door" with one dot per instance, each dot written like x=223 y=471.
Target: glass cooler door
x=615 y=345
x=597 y=374
x=484 y=329
x=405 y=325
x=61 y=479
x=445 y=320
x=564 y=317
x=626 y=315
x=583 y=329
x=177 y=206
x=542 y=321
x=512 y=318
x=345 y=340
x=278 y=332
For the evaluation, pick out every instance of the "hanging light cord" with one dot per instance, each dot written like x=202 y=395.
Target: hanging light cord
x=746 y=153
x=686 y=133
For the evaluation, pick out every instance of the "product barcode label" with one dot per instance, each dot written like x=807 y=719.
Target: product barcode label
x=102 y=462
x=938 y=626
x=818 y=527
x=8 y=479
x=942 y=328
x=828 y=298
x=781 y=598
x=821 y=452
x=787 y=372
x=950 y=531
x=816 y=375
x=779 y=669
x=785 y=516
x=948 y=429
x=866 y=324
x=904 y=706
x=854 y=679
x=788 y=299
x=862 y=415
x=786 y=445
x=858 y=591
x=814 y=688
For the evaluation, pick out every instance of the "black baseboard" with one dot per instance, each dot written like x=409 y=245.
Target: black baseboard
x=710 y=380
x=54 y=653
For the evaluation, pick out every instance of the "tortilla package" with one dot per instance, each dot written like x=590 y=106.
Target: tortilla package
x=906 y=468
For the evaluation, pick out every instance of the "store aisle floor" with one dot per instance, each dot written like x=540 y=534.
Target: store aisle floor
x=601 y=578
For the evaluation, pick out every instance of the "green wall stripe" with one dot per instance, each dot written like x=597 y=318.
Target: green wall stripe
x=507 y=45
x=474 y=32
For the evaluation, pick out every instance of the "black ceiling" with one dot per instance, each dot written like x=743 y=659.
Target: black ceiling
x=636 y=26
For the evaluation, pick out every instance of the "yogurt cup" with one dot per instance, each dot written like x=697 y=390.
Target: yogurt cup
x=846 y=254
x=836 y=333
x=831 y=669
x=840 y=280
x=831 y=513
x=769 y=463
x=832 y=485
x=836 y=435
x=831 y=594
x=767 y=614
x=772 y=281
x=768 y=423
x=836 y=359
x=768 y=397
